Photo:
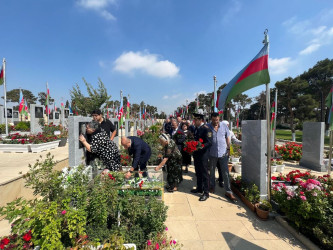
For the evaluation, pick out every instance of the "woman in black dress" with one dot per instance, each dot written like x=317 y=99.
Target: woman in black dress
x=186 y=156
x=102 y=146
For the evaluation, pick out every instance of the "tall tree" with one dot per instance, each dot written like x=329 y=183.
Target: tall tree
x=42 y=98
x=96 y=98
x=320 y=82
x=14 y=96
x=291 y=95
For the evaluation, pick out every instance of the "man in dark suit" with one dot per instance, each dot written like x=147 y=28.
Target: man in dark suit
x=203 y=134
x=141 y=153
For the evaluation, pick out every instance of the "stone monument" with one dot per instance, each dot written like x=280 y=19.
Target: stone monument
x=9 y=115
x=16 y=117
x=64 y=117
x=254 y=148
x=313 y=146
x=76 y=151
x=116 y=124
x=56 y=118
x=36 y=115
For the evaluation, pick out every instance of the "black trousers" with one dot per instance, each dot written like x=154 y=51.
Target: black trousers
x=201 y=169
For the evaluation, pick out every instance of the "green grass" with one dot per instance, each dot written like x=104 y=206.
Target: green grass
x=285 y=134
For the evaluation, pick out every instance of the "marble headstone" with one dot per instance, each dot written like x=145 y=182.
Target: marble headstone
x=16 y=117
x=56 y=118
x=76 y=151
x=313 y=146
x=64 y=117
x=254 y=160
x=36 y=114
x=115 y=122
x=9 y=115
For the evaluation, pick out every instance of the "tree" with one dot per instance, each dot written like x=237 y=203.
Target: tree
x=242 y=100
x=14 y=96
x=96 y=98
x=261 y=99
x=291 y=96
x=42 y=98
x=320 y=82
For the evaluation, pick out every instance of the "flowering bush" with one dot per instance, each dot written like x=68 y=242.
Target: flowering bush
x=125 y=159
x=71 y=211
x=163 y=242
x=308 y=205
x=290 y=151
x=192 y=146
x=33 y=139
x=140 y=133
x=235 y=151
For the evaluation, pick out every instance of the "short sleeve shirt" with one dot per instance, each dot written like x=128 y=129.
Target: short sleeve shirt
x=219 y=140
x=107 y=126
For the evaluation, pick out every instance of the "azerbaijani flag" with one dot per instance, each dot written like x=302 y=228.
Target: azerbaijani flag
x=128 y=109
x=121 y=111
x=47 y=99
x=328 y=100
x=273 y=115
x=1 y=76
x=253 y=74
x=237 y=118
x=26 y=108
x=21 y=103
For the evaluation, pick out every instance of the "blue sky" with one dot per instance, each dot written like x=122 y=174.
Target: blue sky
x=159 y=51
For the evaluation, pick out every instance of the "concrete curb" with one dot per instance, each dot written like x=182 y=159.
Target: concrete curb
x=304 y=240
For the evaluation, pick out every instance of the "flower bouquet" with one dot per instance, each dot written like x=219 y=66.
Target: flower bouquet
x=192 y=146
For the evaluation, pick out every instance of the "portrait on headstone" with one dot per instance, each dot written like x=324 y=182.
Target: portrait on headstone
x=129 y=126
x=51 y=116
x=56 y=116
x=66 y=113
x=82 y=131
x=39 y=112
x=15 y=114
x=117 y=127
x=9 y=113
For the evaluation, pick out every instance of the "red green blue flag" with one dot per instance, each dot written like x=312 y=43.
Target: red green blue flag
x=273 y=108
x=21 y=103
x=253 y=74
x=1 y=76
x=128 y=109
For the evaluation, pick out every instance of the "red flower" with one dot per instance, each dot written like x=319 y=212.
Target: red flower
x=2 y=246
x=200 y=140
x=273 y=178
x=5 y=241
x=27 y=236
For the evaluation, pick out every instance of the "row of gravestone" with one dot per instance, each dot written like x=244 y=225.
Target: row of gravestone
x=77 y=126
x=36 y=113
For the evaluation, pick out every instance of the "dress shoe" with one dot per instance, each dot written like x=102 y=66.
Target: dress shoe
x=203 y=197
x=195 y=191
x=231 y=196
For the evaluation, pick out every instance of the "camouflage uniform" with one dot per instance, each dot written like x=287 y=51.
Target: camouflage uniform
x=174 y=164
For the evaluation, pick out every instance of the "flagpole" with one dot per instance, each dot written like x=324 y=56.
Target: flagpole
x=215 y=109
x=274 y=133
x=47 y=102
x=268 y=132
x=121 y=114
x=5 y=93
x=329 y=165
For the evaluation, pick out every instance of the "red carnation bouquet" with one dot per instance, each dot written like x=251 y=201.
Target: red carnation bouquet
x=192 y=146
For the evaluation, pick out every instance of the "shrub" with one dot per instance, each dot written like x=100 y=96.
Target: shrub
x=23 y=126
x=309 y=206
x=71 y=211
x=3 y=128
x=290 y=151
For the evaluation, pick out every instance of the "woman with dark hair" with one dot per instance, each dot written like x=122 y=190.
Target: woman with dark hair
x=186 y=156
x=102 y=146
x=172 y=158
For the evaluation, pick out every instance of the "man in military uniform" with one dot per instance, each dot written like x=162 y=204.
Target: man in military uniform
x=202 y=133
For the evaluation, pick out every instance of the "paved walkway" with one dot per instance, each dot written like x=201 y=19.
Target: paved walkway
x=220 y=224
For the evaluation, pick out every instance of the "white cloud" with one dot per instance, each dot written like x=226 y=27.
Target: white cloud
x=165 y=97
x=311 y=48
x=99 y=6
x=145 y=62
x=279 y=66
x=232 y=11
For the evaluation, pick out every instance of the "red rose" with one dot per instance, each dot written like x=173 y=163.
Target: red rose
x=27 y=236
x=273 y=178
x=5 y=241
x=200 y=140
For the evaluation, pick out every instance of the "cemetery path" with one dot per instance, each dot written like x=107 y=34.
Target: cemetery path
x=220 y=224
x=14 y=165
